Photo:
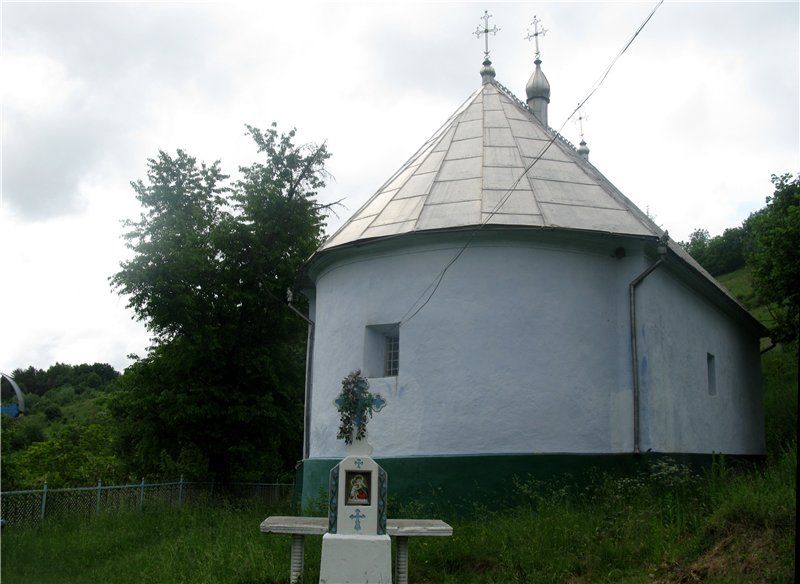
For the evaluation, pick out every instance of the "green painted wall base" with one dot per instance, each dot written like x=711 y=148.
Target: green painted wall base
x=460 y=483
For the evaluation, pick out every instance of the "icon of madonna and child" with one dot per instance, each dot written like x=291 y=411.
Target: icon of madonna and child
x=358 y=488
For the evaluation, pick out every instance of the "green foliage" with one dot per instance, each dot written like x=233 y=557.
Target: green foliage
x=74 y=456
x=774 y=256
x=779 y=368
x=38 y=381
x=52 y=413
x=220 y=393
x=355 y=407
x=720 y=254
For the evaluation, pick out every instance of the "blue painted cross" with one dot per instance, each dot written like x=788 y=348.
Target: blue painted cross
x=357 y=516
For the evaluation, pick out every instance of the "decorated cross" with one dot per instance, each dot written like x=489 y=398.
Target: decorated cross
x=356 y=405
x=485 y=31
x=357 y=517
x=536 y=33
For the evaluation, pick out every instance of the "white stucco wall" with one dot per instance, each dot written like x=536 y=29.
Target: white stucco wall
x=678 y=329
x=525 y=348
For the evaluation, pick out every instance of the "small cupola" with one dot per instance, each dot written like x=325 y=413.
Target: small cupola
x=487 y=71
x=538 y=92
x=583 y=150
x=538 y=88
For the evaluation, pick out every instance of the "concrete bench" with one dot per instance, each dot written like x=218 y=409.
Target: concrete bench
x=399 y=529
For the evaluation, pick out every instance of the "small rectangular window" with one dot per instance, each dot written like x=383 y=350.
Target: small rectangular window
x=391 y=355
x=712 y=374
x=381 y=350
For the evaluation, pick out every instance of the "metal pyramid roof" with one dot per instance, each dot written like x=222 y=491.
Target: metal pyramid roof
x=463 y=172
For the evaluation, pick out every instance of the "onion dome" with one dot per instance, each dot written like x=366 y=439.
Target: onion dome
x=583 y=150
x=487 y=71
x=538 y=86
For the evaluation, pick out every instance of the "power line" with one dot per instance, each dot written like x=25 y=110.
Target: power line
x=438 y=280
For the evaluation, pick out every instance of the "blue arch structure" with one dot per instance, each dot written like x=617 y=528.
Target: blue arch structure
x=13 y=409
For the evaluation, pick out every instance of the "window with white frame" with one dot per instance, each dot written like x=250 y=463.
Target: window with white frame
x=391 y=354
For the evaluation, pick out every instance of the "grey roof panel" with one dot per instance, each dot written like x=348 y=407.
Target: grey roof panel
x=388 y=229
x=377 y=204
x=516 y=202
x=593 y=219
x=566 y=193
x=513 y=219
x=461 y=168
x=471 y=129
x=465 y=149
x=503 y=177
x=400 y=210
x=499 y=137
x=441 y=216
x=417 y=185
x=432 y=162
x=525 y=129
x=491 y=101
x=473 y=112
x=502 y=156
x=495 y=119
x=452 y=191
x=558 y=170
x=534 y=148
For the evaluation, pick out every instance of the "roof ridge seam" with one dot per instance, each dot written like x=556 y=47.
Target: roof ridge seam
x=438 y=171
x=545 y=218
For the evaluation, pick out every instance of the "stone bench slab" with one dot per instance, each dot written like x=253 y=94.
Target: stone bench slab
x=319 y=526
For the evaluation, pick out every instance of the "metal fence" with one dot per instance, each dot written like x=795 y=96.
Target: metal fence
x=31 y=507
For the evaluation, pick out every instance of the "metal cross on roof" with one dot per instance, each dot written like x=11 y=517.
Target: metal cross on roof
x=581 y=116
x=485 y=31
x=536 y=33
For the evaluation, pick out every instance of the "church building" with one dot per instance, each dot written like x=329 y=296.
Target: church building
x=521 y=317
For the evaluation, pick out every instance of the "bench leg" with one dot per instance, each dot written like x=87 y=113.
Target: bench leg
x=296 y=570
x=401 y=560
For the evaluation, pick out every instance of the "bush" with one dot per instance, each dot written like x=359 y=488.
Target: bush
x=53 y=412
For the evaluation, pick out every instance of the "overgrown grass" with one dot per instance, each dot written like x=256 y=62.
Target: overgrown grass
x=667 y=525
x=212 y=543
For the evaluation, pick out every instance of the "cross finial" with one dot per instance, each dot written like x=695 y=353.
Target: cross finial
x=581 y=116
x=536 y=33
x=485 y=31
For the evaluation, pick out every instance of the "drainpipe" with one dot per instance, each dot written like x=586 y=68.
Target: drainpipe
x=662 y=252
x=309 y=372
x=307 y=406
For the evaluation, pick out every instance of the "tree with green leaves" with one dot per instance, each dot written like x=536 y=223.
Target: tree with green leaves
x=774 y=256
x=220 y=391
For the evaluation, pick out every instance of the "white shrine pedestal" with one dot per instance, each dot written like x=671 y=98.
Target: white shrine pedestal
x=356 y=549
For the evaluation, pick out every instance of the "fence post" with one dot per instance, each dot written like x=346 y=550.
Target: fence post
x=141 y=494
x=99 y=491
x=44 y=499
x=180 y=491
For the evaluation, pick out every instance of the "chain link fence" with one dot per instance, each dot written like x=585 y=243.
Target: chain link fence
x=31 y=507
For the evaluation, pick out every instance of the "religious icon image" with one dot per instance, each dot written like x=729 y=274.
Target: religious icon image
x=357 y=488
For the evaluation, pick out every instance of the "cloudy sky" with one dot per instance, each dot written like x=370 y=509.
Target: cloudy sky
x=690 y=124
